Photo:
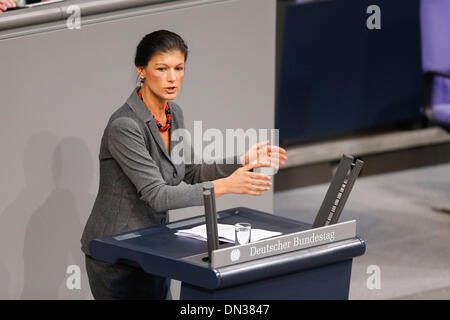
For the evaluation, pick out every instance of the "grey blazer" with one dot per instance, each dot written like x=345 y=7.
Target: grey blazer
x=139 y=183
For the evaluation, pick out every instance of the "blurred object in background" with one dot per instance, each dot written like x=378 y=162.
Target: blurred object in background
x=435 y=29
x=338 y=77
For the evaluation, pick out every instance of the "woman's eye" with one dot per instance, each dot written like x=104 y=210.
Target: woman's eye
x=180 y=69
x=160 y=69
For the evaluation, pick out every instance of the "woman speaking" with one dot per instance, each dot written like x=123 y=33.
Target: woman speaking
x=139 y=182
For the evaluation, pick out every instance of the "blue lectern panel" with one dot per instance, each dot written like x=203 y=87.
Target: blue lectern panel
x=161 y=240
x=159 y=251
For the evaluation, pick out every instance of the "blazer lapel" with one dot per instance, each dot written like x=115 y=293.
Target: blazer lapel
x=157 y=136
x=142 y=111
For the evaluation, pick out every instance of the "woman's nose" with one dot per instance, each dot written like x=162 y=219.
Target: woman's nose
x=172 y=76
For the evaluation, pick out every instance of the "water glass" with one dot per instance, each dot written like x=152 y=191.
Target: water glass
x=243 y=233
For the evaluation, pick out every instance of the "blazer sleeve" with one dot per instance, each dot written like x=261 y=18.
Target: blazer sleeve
x=127 y=146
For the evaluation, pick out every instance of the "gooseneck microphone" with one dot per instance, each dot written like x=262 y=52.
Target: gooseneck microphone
x=209 y=201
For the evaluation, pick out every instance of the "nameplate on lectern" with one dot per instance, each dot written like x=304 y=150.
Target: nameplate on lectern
x=283 y=244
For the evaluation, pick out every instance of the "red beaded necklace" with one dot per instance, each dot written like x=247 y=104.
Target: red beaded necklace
x=168 y=116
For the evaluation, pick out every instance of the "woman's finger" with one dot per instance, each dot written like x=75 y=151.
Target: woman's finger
x=273 y=151
x=262 y=144
x=276 y=160
x=255 y=165
x=273 y=148
x=259 y=188
x=260 y=182
x=259 y=176
x=254 y=151
x=279 y=155
x=254 y=193
x=9 y=3
x=275 y=155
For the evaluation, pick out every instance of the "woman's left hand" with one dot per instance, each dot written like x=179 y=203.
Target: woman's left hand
x=264 y=153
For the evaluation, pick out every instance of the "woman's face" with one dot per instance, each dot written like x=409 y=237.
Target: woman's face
x=164 y=74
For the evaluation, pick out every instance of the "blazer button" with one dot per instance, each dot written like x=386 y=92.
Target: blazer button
x=174 y=174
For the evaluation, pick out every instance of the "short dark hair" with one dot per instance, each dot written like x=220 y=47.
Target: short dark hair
x=158 y=41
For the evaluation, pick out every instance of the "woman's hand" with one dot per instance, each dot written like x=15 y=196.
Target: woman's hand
x=243 y=181
x=264 y=153
x=6 y=4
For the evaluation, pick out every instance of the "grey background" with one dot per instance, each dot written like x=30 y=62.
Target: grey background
x=58 y=88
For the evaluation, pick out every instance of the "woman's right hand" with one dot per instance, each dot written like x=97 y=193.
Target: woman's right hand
x=243 y=181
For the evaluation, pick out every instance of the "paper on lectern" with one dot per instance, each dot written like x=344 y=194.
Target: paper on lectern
x=226 y=233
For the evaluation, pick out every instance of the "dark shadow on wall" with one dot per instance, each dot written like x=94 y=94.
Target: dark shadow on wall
x=4 y=282
x=13 y=220
x=52 y=236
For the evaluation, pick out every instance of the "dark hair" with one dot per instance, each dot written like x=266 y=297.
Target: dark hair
x=158 y=41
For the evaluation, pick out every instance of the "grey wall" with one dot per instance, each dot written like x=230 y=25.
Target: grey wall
x=58 y=88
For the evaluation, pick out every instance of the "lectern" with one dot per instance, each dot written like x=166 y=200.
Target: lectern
x=304 y=262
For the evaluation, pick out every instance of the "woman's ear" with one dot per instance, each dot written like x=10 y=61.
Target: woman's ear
x=141 y=72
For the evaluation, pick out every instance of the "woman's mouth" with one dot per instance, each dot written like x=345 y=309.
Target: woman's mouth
x=171 y=90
